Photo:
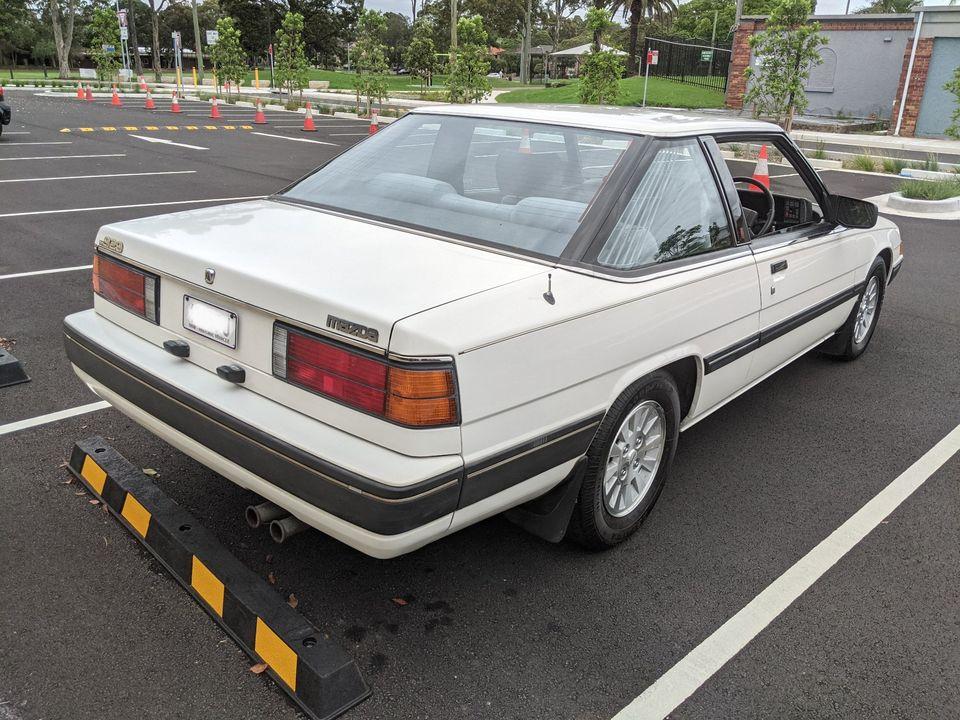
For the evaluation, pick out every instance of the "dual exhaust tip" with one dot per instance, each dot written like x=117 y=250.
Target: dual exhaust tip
x=282 y=525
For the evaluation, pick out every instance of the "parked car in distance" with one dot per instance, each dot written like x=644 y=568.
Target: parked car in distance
x=480 y=309
x=6 y=113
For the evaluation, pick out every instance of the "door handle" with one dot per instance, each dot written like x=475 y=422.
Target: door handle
x=778 y=266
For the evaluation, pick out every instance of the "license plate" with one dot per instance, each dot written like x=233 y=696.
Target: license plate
x=210 y=321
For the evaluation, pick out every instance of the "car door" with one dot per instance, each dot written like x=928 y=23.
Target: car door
x=806 y=271
x=672 y=241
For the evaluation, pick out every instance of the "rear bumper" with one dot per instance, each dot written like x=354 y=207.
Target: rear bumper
x=165 y=396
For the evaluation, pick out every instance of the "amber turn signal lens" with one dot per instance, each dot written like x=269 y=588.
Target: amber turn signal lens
x=424 y=412
x=420 y=384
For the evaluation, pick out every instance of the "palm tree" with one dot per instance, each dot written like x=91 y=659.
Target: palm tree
x=634 y=11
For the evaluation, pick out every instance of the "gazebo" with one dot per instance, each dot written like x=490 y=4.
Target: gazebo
x=580 y=51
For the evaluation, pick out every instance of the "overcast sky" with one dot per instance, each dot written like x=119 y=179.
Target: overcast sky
x=824 y=7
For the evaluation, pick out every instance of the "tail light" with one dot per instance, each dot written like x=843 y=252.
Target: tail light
x=416 y=395
x=127 y=286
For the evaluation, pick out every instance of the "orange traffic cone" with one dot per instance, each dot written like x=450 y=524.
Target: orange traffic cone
x=149 y=104
x=214 y=110
x=525 y=143
x=174 y=104
x=143 y=84
x=308 y=125
x=79 y=91
x=115 y=100
x=259 y=118
x=88 y=96
x=762 y=172
x=374 y=123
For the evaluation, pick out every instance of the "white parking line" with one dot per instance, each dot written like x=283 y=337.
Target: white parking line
x=699 y=665
x=348 y=134
x=137 y=205
x=52 y=417
x=62 y=157
x=16 y=132
x=108 y=175
x=296 y=139
x=47 y=142
x=164 y=141
x=44 y=272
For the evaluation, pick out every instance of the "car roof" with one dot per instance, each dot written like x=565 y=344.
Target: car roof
x=648 y=121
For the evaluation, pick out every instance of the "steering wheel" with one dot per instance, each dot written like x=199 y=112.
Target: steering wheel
x=771 y=204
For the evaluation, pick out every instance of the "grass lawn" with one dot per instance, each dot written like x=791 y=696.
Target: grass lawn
x=663 y=93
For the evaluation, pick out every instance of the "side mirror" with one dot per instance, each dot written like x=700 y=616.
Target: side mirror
x=853 y=213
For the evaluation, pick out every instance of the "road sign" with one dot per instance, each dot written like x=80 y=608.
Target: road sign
x=122 y=18
x=176 y=39
x=124 y=33
x=109 y=48
x=653 y=57
x=706 y=55
x=212 y=37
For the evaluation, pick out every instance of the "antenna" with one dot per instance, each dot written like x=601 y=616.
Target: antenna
x=548 y=295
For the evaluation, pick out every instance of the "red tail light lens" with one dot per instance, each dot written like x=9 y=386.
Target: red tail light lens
x=127 y=286
x=406 y=395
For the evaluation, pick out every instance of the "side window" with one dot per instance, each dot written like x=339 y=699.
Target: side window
x=675 y=212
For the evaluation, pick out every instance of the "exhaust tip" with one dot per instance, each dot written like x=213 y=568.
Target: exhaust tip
x=283 y=529
x=258 y=515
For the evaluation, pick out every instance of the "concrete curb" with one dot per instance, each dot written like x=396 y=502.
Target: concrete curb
x=825 y=164
x=928 y=174
x=897 y=201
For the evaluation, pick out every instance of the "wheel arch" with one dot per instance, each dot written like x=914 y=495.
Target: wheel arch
x=686 y=371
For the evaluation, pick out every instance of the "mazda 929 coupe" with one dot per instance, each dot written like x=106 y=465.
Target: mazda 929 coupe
x=481 y=309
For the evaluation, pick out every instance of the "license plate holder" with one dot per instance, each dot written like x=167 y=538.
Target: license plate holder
x=210 y=321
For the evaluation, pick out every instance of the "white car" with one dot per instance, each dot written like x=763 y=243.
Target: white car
x=481 y=308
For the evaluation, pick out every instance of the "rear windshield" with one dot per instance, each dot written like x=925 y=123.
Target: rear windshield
x=518 y=185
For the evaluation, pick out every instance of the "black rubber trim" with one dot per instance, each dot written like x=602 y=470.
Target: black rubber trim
x=728 y=355
x=522 y=462
x=792 y=323
x=359 y=500
x=894 y=273
x=748 y=345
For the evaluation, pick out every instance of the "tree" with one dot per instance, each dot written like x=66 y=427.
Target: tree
x=290 y=60
x=784 y=53
x=134 y=44
x=601 y=69
x=370 y=59
x=17 y=32
x=694 y=19
x=636 y=10
x=421 y=54
x=396 y=38
x=953 y=87
x=104 y=39
x=63 y=32
x=328 y=25
x=155 y=9
x=229 y=60
x=468 y=72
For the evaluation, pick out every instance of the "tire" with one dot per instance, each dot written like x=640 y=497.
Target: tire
x=852 y=339
x=603 y=518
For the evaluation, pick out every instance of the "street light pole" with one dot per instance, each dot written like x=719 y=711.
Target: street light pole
x=453 y=28
x=196 y=41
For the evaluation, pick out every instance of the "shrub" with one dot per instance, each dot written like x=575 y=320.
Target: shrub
x=861 y=162
x=893 y=165
x=930 y=189
x=930 y=163
x=821 y=152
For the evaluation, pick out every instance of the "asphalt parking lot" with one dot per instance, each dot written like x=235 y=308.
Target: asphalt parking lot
x=494 y=622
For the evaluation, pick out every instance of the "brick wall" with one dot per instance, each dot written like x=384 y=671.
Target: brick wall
x=740 y=55
x=918 y=80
